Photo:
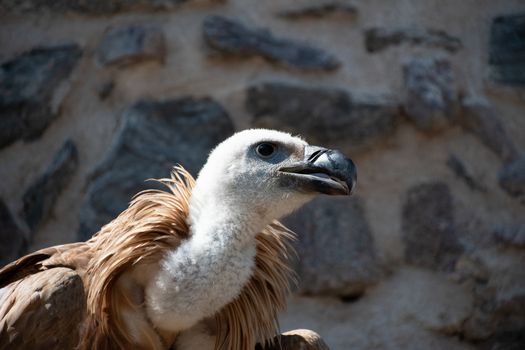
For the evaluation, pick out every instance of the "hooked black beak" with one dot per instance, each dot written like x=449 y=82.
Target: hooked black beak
x=323 y=170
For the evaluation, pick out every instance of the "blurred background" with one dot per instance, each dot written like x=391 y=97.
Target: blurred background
x=427 y=96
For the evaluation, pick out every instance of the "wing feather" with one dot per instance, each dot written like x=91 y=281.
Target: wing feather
x=42 y=310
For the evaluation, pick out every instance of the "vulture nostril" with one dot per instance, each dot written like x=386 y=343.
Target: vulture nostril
x=314 y=156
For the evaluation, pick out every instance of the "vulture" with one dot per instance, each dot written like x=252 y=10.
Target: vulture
x=202 y=265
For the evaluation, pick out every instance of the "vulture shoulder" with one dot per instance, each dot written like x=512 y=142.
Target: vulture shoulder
x=42 y=299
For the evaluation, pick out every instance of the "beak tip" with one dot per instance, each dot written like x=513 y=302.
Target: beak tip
x=349 y=173
x=340 y=172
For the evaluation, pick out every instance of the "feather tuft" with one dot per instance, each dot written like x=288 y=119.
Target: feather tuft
x=154 y=222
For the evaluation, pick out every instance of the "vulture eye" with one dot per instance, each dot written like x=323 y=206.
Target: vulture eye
x=265 y=149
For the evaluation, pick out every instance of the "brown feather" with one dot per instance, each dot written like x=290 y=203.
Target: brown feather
x=154 y=223
x=42 y=311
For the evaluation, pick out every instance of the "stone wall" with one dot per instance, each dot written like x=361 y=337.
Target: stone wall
x=427 y=96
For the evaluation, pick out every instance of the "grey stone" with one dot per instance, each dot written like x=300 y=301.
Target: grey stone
x=470 y=268
x=336 y=251
x=428 y=227
x=154 y=137
x=481 y=120
x=473 y=275
x=513 y=235
x=458 y=167
x=511 y=340
x=508 y=314
x=13 y=241
x=94 y=7
x=431 y=102
x=40 y=197
x=507 y=49
x=378 y=39
x=320 y=10
x=478 y=326
x=229 y=37
x=132 y=44
x=328 y=116
x=499 y=302
x=27 y=83
x=512 y=178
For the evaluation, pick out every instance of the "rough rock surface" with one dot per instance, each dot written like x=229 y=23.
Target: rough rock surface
x=12 y=239
x=327 y=116
x=388 y=316
x=105 y=89
x=498 y=316
x=154 y=137
x=458 y=167
x=378 y=38
x=40 y=197
x=336 y=253
x=132 y=44
x=428 y=227
x=507 y=49
x=482 y=121
x=27 y=83
x=95 y=7
x=320 y=10
x=506 y=340
x=230 y=37
x=513 y=235
x=512 y=178
x=431 y=101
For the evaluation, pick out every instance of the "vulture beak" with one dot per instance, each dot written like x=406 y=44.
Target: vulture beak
x=322 y=170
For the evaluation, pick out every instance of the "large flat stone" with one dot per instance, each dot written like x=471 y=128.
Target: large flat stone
x=507 y=49
x=336 y=251
x=13 y=241
x=233 y=38
x=27 y=84
x=428 y=227
x=132 y=44
x=378 y=39
x=40 y=197
x=154 y=137
x=328 y=116
x=431 y=100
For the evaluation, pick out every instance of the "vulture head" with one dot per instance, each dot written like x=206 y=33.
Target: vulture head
x=250 y=180
x=268 y=174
